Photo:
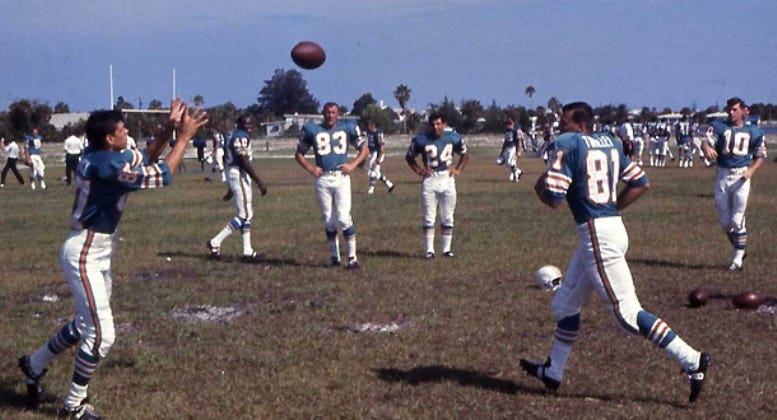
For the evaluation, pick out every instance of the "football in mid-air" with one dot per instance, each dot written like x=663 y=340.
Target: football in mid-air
x=748 y=300
x=549 y=278
x=308 y=55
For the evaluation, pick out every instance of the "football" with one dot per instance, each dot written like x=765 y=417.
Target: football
x=549 y=278
x=701 y=295
x=698 y=297
x=308 y=55
x=748 y=300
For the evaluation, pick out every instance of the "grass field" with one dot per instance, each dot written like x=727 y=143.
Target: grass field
x=290 y=352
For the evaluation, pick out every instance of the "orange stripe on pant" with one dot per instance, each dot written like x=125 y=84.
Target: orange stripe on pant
x=89 y=294
x=605 y=280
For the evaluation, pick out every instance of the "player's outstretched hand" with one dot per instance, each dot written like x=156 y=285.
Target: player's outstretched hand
x=176 y=112
x=263 y=188
x=191 y=122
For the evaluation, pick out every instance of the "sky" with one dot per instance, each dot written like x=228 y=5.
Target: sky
x=655 y=53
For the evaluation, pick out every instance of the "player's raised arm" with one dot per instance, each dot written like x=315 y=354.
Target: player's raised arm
x=189 y=125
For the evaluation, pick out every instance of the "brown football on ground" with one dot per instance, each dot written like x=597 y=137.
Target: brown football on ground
x=308 y=55
x=748 y=300
x=698 y=297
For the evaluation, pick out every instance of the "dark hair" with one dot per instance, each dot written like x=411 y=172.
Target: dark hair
x=734 y=101
x=243 y=120
x=581 y=113
x=330 y=104
x=509 y=121
x=436 y=116
x=100 y=124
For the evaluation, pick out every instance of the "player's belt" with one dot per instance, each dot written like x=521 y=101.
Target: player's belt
x=334 y=172
x=443 y=172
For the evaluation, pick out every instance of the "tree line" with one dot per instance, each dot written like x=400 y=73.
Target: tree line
x=286 y=92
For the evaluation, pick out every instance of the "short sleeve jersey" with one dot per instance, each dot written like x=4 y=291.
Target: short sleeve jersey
x=736 y=147
x=238 y=144
x=586 y=168
x=33 y=144
x=103 y=180
x=437 y=153
x=330 y=145
x=512 y=136
x=375 y=140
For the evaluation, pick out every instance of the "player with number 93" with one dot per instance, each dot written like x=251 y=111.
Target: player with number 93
x=329 y=141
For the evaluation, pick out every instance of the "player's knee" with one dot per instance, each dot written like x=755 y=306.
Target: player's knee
x=349 y=232
x=107 y=342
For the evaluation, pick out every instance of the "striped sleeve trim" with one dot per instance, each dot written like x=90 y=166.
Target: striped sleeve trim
x=632 y=172
x=152 y=176
x=557 y=182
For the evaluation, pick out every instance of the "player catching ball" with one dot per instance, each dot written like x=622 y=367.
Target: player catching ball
x=585 y=168
x=106 y=174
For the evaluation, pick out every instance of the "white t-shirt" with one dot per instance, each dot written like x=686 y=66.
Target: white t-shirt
x=12 y=150
x=72 y=145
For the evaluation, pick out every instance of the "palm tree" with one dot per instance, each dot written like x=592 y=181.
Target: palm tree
x=530 y=91
x=402 y=94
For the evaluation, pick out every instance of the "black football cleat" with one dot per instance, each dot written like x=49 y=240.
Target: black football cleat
x=254 y=257
x=334 y=262
x=391 y=188
x=537 y=370
x=34 y=388
x=429 y=256
x=83 y=411
x=215 y=252
x=448 y=254
x=698 y=376
x=353 y=264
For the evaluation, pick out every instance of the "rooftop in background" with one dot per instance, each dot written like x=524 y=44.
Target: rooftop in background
x=60 y=121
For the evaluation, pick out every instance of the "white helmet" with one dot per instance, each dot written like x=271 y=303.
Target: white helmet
x=549 y=278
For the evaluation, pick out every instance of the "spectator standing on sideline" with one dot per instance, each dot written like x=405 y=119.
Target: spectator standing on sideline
x=72 y=147
x=12 y=154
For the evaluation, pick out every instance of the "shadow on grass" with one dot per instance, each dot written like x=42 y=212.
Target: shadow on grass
x=386 y=253
x=672 y=264
x=10 y=398
x=278 y=262
x=439 y=373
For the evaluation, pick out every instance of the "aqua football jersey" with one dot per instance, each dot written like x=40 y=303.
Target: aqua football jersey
x=375 y=140
x=238 y=144
x=330 y=145
x=103 y=180
x=736 y=147
x=33 y=143
x=586 y=168
x=437 y=153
